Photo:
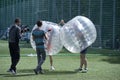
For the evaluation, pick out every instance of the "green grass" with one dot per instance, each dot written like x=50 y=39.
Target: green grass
x=103 y=65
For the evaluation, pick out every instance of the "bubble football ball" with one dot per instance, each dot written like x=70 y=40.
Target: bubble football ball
x=53 y=44
x=78 y=34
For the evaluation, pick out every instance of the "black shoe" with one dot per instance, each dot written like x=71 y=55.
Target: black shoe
x=12 y=71
x=41 y=72
x=36 y=72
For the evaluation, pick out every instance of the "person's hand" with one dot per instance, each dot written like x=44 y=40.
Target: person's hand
x=49 y=30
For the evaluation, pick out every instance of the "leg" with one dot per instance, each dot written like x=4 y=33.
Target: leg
x=81 y=64
x=11 y=49
x=83 y=61
x=15 y=56
x=51 y=60
x=38 y=58
x=51 y=63
x=41 y=57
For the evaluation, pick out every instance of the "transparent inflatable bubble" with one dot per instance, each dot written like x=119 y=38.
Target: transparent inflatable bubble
x=53 y=44
x=78 y=34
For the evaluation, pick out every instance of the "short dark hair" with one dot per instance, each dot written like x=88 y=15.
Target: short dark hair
x=17 y=20
x=39 y=23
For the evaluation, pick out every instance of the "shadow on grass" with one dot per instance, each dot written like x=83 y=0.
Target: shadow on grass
x=105 y=52
x=4 y=74
x=25 y=71
x=47 y=72
x=30 y=72
x=112 y=56
x=112 y=59
x=20 y=73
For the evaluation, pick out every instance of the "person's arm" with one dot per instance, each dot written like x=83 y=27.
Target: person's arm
x=46 y=36
x=18 y=33
x=33 y=37
x=61 y=22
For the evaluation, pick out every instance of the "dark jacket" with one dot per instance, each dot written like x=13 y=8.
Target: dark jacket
x=14 y=34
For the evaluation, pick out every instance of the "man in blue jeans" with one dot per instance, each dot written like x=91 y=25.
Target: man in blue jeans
x=39 y=36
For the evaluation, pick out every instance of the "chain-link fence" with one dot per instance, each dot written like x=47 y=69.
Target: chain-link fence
x=103 y=13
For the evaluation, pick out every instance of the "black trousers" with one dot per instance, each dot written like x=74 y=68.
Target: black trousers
x=15 y=54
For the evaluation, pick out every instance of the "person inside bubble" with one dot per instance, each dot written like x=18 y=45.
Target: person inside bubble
x=83 y=62
x=83 y=58
x=49 y=34
x=61 y=23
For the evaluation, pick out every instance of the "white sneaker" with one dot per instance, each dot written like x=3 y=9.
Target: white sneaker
x=52 y=68
x=85 y=70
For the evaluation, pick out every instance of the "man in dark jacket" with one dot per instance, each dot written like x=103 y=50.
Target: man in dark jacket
x=14 y=36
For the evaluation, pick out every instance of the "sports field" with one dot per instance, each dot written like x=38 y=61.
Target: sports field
x=103 y=64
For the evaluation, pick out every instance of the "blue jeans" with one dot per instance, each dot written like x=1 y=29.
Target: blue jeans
x=41 y=56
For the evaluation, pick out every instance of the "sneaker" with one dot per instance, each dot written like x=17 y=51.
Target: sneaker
x=52 y=68
x=85 y=70
x=36 y=72
x=78 y=70
x=41 y=72
x=12 y=71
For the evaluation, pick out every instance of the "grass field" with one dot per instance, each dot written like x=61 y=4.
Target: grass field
x=103 y=65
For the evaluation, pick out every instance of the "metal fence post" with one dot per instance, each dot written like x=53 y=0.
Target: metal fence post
x=78 y=7
x=101 y=13
x=114 y=12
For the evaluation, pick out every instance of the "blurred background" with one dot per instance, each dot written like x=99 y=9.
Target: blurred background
x=105 y=14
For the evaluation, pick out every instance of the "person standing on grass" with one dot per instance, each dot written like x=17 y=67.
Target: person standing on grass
x=52 y=68
x=83 y=62
x=49 y=34
x=39 y=36
x=14 y=36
